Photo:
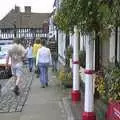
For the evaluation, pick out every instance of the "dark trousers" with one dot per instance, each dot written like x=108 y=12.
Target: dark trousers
x=54 y=65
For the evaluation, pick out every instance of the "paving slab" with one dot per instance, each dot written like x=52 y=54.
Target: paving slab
x=42 y=103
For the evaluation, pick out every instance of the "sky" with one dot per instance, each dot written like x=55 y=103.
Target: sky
x=38 y=6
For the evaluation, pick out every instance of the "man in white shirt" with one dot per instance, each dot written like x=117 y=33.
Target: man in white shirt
x=43 y=60
x=16 y=53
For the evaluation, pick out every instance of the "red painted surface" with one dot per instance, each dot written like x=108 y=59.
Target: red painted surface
x=113 y=111
x=88 y=116
x=76 y=62
x=89 y=71
x=75 y=95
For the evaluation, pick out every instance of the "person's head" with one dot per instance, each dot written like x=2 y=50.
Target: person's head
x=42 y=42
x=37 y=41
x=17 y=41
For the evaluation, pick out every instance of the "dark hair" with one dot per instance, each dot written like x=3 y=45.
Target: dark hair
x=43 y=42
x=17 y=41
x=37 y=41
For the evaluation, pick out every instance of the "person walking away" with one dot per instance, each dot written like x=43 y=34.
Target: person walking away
x=43 y=60
x=29 y=56
x=16 y=54
x=36 y=46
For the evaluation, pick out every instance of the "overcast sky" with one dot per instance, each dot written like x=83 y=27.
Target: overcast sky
x=37 y=5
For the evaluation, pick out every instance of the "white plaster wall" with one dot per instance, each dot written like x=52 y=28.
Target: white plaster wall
x=118 y=47
x=81 y=42
x=59 y=42
x=112 y=47
x=61 y=46
x=71 y=38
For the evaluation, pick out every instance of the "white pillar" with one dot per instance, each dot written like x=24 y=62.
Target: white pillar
x=89 y=77
x=89 y=96
x=75 y=62
x=75 y=92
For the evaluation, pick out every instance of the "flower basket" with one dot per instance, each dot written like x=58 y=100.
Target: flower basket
x=65 y=78
x=108 y=83
x=67 y=84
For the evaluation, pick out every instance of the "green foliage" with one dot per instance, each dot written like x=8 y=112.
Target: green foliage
x=69 y=52
x=112 y=81
x=88 y=15
x=61 y=21
x=66 y=15
x=82 y=58
x=108 y=84
x=100 y=84
x=115 y=12
x=65 y=75
x=61 y=74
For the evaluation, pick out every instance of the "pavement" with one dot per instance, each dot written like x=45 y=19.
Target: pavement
x=42 y=103
x=73 y=110
x=50 y=103
x=9 y=102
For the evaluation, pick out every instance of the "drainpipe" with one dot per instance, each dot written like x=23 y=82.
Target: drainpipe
x=57 y=40
x=88 y=113
x=75 y=90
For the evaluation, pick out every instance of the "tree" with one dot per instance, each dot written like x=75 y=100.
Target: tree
x=93 y=17
x=88 y=15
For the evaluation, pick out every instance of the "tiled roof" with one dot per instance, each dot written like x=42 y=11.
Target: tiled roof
x=23 y=19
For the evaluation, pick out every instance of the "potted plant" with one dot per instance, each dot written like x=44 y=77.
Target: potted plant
x=112 y=81
x=99 y=84
x=108 y=83
x=108 y=87
x=65 y=77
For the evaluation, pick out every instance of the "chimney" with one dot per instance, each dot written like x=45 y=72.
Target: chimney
x=27 y=9
x=17 y=9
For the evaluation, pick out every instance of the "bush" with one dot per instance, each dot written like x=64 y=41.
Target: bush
x=65 y=76
x=61 y=74
x=99 y=86
x=112 y=81
x=108 y=84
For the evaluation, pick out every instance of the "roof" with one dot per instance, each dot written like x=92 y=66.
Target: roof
x=24 y=19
